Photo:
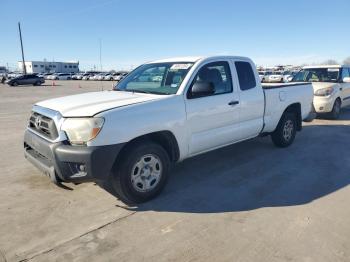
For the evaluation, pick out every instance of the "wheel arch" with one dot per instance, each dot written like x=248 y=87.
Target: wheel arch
x=295 y=108
x=164 y=138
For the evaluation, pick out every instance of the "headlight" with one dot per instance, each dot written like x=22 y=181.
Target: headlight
x=82 y=130
x=324 y=91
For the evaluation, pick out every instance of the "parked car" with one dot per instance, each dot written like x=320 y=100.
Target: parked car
x=265 y=76
x=60 y=76
x=131 y=135
x=80 y=76
x=261 y=75
x=274 y=77
x=109 y=76
x=28 y=79
x=94 y=76
x=331 y=85
x=47 y=75
x=77 y=76
x=120 y=76
x=100 y=76
x=14 y=75
x=287 y=76
x=87 y=76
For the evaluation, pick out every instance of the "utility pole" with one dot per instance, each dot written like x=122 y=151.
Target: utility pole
x=101 y=63
x=100 y=55
x=20 y=37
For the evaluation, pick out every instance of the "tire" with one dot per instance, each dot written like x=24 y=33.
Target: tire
x=14 y=84
x=286 y=130
x=142 y=172
x=37 y=83
x=335 y=113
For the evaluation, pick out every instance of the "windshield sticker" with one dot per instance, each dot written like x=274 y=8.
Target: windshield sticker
x=333 y=70
x=180 y=66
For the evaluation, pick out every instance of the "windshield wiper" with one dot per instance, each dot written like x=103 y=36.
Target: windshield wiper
x=145 y=92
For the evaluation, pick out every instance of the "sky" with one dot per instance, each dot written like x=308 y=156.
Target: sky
x=134 y=31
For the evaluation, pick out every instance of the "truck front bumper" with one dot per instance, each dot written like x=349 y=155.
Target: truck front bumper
x=64 y=162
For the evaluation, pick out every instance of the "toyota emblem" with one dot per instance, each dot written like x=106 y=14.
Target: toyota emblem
x=37 y=122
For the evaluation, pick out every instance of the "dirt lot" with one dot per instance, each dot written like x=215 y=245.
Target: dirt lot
x=247 y=202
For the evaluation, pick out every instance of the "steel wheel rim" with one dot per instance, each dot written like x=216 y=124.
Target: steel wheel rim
x=288 y=130
x=146 y=173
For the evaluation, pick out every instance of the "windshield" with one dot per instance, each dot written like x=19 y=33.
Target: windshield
x=317 y=75
x=157 y=78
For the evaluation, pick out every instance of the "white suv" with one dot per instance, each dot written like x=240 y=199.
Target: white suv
x=331 y=84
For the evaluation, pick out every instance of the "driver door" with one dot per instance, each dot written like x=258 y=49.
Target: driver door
x=212 y=119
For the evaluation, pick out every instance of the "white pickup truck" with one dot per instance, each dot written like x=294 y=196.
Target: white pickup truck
x=163 y=112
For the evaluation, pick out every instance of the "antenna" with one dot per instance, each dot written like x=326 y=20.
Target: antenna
x=100 y=54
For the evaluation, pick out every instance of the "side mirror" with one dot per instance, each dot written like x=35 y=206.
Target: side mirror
x=346 y=79
x=201 y=89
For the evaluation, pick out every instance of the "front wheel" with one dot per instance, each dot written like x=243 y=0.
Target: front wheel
x=286 y=130
x=335 y=113
x=142 y=172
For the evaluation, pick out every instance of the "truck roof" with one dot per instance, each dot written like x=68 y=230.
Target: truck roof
x=194 y=59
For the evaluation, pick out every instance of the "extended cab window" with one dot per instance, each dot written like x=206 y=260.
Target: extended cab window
x=246 y=75
x=218 y=74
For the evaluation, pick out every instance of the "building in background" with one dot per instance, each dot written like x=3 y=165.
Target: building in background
x=3 y=70
x=49 y=67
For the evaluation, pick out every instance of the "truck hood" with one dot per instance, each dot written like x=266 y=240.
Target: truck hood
x=320 y=85
x=90 y=104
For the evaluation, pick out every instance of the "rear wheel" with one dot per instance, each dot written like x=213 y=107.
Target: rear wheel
x=142 y=172
x=335 y=113
x=285 y=132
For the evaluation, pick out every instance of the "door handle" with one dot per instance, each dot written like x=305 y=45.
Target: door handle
x=232 y=103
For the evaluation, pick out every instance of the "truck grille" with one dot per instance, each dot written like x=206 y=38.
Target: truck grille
x=43 y=125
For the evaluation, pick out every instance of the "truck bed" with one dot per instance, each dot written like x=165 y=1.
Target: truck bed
x=279 y=96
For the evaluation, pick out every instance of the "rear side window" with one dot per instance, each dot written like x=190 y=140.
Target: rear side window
x=246 y=75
